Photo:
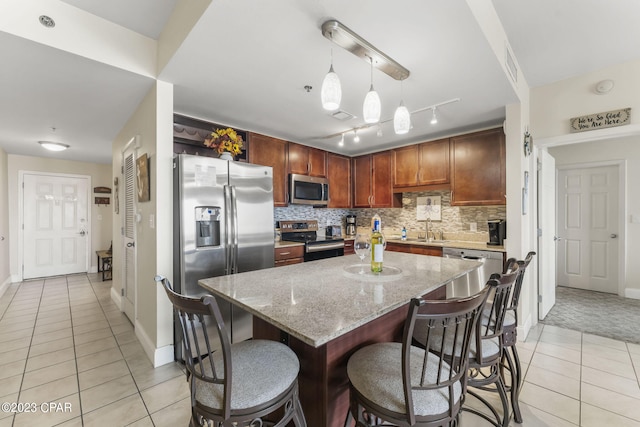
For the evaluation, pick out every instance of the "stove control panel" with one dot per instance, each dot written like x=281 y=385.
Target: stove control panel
x=289 y=226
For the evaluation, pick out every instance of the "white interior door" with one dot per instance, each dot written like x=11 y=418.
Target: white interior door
x=56 y=226
x=129 y=281
x=588 y=216
x=547 y=239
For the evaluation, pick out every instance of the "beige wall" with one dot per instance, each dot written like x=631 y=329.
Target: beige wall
x=627 y=149
x=5 y=272
x=552 y=107
x=100 y=177
x=152 y=123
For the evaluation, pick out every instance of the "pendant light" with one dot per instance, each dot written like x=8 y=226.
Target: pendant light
x=341 y=142
x=371 y=108
x=434 y=119
x=356 y=137
x=401 y=118
x=331 y=91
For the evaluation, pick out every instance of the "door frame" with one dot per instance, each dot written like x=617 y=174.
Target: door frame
x=622 y=212
x=21 y=174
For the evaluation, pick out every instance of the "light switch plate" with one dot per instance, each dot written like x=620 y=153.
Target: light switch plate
x=152 y=221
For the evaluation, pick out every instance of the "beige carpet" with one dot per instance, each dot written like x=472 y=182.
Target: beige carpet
x=596 y=313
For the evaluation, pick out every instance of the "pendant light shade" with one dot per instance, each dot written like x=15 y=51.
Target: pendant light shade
x=371 y=107
x=401 y=120
x=331 y=92
x=434 y=119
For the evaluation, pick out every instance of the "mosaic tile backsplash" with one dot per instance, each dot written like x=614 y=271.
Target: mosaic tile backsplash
x=455 y=219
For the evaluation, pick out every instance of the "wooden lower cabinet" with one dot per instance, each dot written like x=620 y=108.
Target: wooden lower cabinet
x=268 y=151
x=288 y=255
x=414 y=249
x=348 y=247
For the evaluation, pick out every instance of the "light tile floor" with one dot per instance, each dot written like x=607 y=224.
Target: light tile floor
x=63 y=341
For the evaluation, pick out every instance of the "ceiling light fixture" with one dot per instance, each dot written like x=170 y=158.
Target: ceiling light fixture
x=347 y=39
x=434 y=119
x=356 y=138
x=47 y=21
x=341 y=142
x=379 y=133
x=53 y=146
x=331 y=91
x=401 y=118
x=371 y=108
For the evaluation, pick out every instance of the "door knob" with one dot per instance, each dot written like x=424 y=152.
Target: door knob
x=613 y=236
x=130 y=244
x=82 y=232
x=556 y=238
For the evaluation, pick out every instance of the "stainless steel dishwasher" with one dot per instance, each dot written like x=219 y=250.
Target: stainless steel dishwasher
x=475 y=280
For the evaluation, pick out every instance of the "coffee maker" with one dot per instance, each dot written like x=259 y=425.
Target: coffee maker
x=497 y=232
x=350 y=228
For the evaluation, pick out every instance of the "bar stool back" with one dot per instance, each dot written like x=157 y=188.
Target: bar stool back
x=240 y=383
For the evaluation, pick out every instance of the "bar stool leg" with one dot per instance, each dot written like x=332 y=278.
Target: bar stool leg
x=516 y=380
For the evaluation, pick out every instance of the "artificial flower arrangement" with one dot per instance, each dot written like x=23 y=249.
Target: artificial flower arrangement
x=225 y=141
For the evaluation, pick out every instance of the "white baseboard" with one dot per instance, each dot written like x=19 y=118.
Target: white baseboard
x=157 y=356
x=5 y=286
x=524 y=328
x=632 y=293
x=116 y=298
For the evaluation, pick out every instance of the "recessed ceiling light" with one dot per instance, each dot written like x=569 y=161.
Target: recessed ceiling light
x=53 y=146
x=47 y=21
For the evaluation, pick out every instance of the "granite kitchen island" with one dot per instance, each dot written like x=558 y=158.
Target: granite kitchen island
x=325 y=310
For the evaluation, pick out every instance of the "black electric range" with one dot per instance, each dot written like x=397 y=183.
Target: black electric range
x=316 y=247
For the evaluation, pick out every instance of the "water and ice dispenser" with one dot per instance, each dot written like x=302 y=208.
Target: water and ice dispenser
x=207 y=226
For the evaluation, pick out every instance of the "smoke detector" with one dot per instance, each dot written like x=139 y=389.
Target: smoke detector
x=604 y=86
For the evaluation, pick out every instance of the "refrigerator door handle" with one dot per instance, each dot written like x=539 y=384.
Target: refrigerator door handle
x=228 y=250
x=234 y=206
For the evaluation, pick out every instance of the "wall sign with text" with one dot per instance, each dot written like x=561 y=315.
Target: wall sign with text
x=607 y=119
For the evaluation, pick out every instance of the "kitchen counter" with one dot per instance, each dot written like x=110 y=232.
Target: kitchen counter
x=321 y=300
x=284 y=244
x=325 y=311
x=458 y=244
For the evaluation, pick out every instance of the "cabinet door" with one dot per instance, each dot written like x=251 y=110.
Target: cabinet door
x=317 y=162
x=478 y=174
x=381 y=184
x=361 y=173
x=307 y=161
x=298 y=159
x=267 y=151
x=339 y=175
x=434 y=162
x=406 y=166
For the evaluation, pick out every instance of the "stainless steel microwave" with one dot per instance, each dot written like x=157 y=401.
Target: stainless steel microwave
x=308 y=190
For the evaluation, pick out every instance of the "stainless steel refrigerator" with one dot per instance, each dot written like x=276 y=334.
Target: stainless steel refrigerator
x=223 y=224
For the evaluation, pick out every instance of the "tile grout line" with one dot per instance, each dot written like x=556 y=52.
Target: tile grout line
x=123 y=357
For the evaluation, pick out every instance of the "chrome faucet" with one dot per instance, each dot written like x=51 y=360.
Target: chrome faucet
x=427 y=237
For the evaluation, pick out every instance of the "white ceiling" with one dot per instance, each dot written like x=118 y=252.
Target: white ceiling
x=246 y=62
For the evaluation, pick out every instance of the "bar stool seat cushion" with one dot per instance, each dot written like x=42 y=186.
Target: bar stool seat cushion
x=251 y=386
x=375 y=372
x=490 y=347
x=509 y=317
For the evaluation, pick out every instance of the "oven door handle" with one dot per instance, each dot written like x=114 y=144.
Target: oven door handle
x=324 y=247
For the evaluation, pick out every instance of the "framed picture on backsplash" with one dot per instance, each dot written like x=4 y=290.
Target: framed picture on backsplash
x=429 y=207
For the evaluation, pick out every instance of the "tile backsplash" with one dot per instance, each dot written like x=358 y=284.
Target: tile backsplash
x=455 y=219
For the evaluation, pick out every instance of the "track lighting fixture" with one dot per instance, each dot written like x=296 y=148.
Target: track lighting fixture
x=434 y=119
x=356 y=138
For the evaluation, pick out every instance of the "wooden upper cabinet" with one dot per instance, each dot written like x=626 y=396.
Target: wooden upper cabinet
x=372 y=182
x=425 y=164
x=339 y=175
x=307 y=160
x=268 y=151
x=478 y=175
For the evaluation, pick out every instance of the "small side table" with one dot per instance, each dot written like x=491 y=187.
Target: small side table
x=104 y=264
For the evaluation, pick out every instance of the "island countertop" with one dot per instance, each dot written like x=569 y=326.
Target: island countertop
x=319 y=301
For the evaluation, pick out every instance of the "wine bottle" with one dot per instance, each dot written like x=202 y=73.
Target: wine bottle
x=377 y=247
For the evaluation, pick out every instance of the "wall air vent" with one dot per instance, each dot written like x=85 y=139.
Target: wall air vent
x=342 y=115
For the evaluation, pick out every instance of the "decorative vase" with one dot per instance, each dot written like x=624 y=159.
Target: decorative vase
x=226 y=156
